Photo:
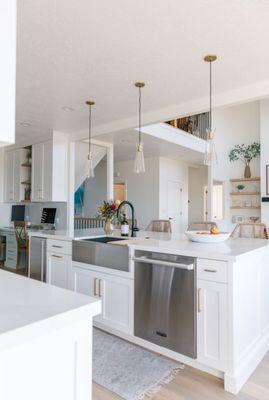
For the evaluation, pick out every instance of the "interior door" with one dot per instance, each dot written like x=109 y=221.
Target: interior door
x=174 y=205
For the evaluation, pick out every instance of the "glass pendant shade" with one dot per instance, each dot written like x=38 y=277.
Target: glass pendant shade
x=210 y=151
x=89 y=167
x=139 y=165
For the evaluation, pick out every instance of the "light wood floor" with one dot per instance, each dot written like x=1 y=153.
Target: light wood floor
x=191 y=384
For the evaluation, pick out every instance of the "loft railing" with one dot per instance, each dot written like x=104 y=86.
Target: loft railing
x=195 y=125
x=88 y=223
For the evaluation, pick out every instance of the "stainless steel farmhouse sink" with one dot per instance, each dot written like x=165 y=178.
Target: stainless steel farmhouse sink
x=98 y=251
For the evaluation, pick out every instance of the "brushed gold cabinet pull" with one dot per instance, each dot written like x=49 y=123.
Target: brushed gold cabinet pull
x=94 y=286
x=99 y=288
x=210 y=270
x=199 y=300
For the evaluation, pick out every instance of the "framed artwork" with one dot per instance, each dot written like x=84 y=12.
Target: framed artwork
x=267 y=179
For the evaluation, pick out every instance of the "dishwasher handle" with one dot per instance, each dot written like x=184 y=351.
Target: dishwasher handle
x=188 y=267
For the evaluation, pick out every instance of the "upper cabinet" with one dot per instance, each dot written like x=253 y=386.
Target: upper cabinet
x=38 y=172
x=49 y=170
x=17 y=176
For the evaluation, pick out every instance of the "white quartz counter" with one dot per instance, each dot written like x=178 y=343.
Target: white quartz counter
x=179 y=244
x=26 y=303
x=168 y=243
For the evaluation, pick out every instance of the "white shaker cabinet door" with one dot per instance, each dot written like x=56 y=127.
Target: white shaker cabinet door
x=9 y=176
x=117 y=296
x=37 y=172
x=212 y=324
x=47 y=171
x=58 y=269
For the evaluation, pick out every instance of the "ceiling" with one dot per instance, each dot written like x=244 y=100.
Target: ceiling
x=71 y=50
x=125 y=143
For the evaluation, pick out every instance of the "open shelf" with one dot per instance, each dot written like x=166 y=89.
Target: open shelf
x=245 y=208
x=245 y=193
x=254 y=179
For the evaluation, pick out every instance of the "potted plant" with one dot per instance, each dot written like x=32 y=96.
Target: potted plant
x=245 y=153
x=108 y=211
x=240 y=187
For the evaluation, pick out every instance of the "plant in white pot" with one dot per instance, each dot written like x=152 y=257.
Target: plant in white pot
x=245 y=153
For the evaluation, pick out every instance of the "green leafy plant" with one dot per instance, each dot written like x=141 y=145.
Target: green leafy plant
x=245 y=153
x=240 y=187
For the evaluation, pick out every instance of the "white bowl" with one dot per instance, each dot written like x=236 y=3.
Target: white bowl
x=206 y=236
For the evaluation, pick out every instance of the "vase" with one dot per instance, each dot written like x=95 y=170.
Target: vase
x=247 y=173
x=108 y=227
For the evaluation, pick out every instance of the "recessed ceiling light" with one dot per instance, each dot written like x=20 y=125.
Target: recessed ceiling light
x=68 y=109
x=25 y=123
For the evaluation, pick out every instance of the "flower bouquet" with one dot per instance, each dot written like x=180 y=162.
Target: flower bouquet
x=108 y=212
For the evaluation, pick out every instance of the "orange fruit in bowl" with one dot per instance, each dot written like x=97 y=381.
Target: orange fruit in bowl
x=214 y=230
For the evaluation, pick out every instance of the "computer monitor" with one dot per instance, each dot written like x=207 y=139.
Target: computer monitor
x=18 y=213
x=48 y=216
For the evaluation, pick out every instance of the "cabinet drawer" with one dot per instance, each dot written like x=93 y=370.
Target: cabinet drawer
x=59 y=246
x=212 y=270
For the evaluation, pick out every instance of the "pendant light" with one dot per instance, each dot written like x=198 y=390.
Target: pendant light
x=89 y=161
x=139 y=166
x=210 y=153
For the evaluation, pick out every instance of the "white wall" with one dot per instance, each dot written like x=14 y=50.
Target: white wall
x=95 y=190
x=264 y=129
x=142 y=189
x=197 y=181
x=234 y=125
x=148 y=191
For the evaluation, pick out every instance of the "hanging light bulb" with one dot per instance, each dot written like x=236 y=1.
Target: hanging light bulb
x=210 y=151
x=139 y=165
x=89 y=161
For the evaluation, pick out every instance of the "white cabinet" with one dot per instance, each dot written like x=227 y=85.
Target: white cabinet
x=212 y=324
x=37 y=171
x=49 y=169
x=59 y=263
x=9 y=176
x=117 y=296
x=14 y=175
x=58 y=269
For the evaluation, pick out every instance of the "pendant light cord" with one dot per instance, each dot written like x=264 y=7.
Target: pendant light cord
x=90 y=127
x=210 y=95
x=139 y=117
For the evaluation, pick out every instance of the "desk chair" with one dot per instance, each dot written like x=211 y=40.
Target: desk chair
x=22 y=243
x=250 y=230
x=159 y=225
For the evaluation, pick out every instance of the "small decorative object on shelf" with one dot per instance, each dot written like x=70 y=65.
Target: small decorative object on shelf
x=245 y=153
x=240 y=187
x=254 y=219
x=108 y=211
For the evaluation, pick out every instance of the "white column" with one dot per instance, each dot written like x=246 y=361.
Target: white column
x=8 y=40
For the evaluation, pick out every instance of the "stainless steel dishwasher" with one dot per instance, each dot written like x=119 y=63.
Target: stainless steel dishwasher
x=166 y=301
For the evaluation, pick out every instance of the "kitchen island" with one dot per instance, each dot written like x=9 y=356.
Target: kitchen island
x=231 y=293
x=231 y=290
x=45 y=340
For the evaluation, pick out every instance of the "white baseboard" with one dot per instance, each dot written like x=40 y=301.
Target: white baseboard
x=234 y=382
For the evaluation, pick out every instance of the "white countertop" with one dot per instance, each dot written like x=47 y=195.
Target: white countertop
x=26 y=303
x=169 y=243
x=179 y=244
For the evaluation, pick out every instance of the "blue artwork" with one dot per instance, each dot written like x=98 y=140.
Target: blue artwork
x=79 y=200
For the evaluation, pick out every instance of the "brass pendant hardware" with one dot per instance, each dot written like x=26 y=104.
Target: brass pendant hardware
x=90 y=102
x=139 y=84
x=210 y=57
